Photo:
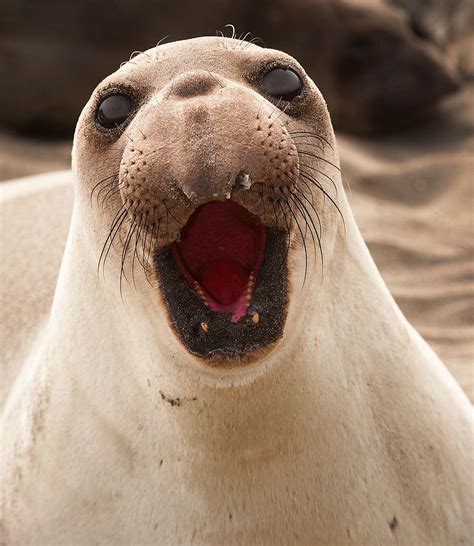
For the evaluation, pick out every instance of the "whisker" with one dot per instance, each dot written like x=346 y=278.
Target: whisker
x=306 y=166
x=309 y=178
x=147 y=232
x=232 y=27
x=122 y=132
x=102 y=182
x=128 y=239
x=114 y=190
x=296 y=140
x=115 y=226
x=311 y=204
x=134 y=255
x=303 y=240
x=141 y=132
x=280 y=114
x=303 y=152
x=215 y=79
x=154 y=239
x=318 y=236
x=162 y=40
x=286 y=222
x=244 y=38
x=254 y=41
x=311 y=134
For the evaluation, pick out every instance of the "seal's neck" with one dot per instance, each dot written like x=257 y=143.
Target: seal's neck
x=121 y=355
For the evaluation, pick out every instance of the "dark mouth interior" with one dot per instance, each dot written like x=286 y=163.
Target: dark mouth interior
x=220 y=252
x=224 y=282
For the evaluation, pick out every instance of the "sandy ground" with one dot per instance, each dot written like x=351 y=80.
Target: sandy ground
x=22 y=156
x=413 y=197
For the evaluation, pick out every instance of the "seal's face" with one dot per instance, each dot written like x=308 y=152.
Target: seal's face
x=219 y=159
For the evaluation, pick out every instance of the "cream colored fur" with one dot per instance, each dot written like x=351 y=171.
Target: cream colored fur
x=351 y=431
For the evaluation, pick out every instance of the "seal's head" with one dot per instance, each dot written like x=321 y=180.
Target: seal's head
x=214 y=163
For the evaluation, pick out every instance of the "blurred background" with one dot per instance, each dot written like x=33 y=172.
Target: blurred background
x=398 y=77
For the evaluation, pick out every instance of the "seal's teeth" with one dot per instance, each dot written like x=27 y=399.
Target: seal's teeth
x=255 y=317
x=204 y=327
x=200 y=293
x=250 y=285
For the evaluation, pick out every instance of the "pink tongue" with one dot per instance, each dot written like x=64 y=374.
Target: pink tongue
x=224 y=279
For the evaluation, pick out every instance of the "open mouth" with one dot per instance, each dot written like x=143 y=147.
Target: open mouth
x=220 y=254
x=225 y=281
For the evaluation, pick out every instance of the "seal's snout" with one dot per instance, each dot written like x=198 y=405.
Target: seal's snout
x=208 y=138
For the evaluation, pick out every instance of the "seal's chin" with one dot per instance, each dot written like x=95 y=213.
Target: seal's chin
x=225 y=281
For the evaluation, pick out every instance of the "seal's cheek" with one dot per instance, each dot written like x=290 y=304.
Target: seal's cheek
x=225 y=282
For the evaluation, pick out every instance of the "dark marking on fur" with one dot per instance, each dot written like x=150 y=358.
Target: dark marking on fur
x=171 y=401
x=175 y=402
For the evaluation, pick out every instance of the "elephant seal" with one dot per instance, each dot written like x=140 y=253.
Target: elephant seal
x=222 y=362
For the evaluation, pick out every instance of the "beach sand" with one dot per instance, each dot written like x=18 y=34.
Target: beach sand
x=413 y=197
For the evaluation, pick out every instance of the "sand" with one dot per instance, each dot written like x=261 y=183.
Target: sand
x=413 y=197
x=23 y=156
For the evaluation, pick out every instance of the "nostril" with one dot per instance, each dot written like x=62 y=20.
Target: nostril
x=191 y=85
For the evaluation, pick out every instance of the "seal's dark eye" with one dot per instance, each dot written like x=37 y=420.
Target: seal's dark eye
x=282 y=83
x=114 y=110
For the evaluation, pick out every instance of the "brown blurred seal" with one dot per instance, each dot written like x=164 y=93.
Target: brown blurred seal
x=375 y=69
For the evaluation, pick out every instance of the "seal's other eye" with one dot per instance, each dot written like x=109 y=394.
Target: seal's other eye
x=282 y=83
x=114 y=110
